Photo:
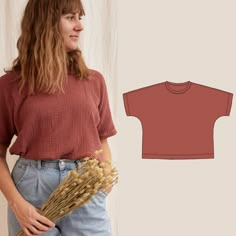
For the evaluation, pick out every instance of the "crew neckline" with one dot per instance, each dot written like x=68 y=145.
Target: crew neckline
x=169 y=85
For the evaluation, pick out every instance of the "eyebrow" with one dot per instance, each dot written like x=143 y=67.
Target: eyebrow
x=74 y=13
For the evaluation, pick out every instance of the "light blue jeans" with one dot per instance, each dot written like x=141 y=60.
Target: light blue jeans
x=36 y=180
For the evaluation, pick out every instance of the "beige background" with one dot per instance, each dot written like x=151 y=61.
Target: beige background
x=177 y=41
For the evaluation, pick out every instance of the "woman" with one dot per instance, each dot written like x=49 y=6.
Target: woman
x=59 y=111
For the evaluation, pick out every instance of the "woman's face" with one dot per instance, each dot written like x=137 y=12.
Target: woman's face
x=70 y=27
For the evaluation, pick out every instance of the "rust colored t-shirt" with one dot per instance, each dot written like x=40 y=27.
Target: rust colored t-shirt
x=177 y=118
x=68 y=126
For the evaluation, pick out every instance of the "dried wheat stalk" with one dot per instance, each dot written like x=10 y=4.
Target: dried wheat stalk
x=79 y=187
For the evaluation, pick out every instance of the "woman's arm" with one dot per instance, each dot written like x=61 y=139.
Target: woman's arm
x=106 y=156
x=106 y=150
x=6 y=183
x=27 y=215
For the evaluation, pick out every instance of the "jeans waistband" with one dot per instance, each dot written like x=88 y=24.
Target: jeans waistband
x=60 y=164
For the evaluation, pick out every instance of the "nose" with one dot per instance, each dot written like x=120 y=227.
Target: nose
x=78 y=26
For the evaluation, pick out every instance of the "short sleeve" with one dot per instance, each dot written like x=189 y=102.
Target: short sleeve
x=134 y=102
x=106 y=126
x=126 y=104
x=222 y=102
x=7 y=128
x=229 y=104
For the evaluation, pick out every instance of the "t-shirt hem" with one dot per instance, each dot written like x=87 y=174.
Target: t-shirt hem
x=178 y=156
x=108 y=134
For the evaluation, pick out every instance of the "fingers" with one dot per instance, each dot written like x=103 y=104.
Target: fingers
x=30 y=219
x=45 y=221
x=36 y=228
x=37 y=225
x=28 y=232
x=41 y=226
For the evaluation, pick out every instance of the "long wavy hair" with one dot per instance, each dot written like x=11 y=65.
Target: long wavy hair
x=43 y=64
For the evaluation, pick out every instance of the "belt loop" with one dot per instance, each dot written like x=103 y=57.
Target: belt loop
x=39 y=164
x=77 y=164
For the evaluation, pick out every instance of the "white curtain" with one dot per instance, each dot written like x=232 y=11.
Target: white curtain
x=98 y=43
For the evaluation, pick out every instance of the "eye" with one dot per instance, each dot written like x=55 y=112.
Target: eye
x=70 y=17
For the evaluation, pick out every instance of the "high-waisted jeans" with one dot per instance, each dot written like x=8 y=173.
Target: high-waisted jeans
x=36 y=180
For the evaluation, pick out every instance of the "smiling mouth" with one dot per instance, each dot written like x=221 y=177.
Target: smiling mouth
x=74 y=38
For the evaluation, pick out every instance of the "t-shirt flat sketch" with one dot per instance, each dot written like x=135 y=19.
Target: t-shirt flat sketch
x=177 y=118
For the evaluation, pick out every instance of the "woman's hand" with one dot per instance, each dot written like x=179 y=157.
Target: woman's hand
x=108 y=189
x=31 y=222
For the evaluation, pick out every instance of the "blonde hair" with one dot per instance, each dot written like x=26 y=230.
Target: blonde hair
x=42 y=61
